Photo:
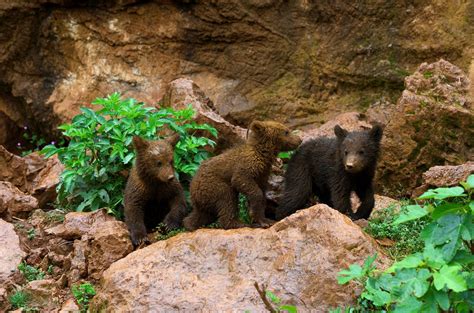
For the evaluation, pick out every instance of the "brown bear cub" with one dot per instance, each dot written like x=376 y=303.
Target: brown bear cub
x=243 y=169
x=331 y=168
x=153 y=194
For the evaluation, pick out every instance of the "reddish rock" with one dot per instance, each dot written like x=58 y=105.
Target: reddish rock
x=444 y=176
x=69 y=306
x=10 y=251
x=184 y=92
x=43 y=185
x=109 y=243
x=78 y=259
x=13 y=202
x=13 y=169
x=214 y=270
x=77 y=224
x=432 y=125
x=350 y=121
x=41 y=292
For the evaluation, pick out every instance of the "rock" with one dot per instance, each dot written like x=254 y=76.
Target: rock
x=78 y=267
x=351 y=121
x=43 y=175
x=10 y=251
x=41 y=292
x=77 y=224
x=299 y=62
x=69 y=306
x=13 y=202
x=110 y=242
x=184 y=92
x=214 y=270
x=13 y=169
x=432 y=125
x=444 y=176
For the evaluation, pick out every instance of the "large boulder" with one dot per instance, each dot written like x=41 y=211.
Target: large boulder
x=13 y=169
x=298 y=61
x=10 y=251
x=432 y=125
x=214 y=270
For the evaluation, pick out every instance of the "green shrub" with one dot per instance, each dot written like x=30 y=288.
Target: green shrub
x=83 y=293
x=30 y=272
x=438 y=278
x=244 y=215
x=100 y=149
x=406 y=235
x=19 y=299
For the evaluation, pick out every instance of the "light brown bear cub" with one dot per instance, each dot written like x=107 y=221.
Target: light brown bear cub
x=244 y=169
x=153 y=194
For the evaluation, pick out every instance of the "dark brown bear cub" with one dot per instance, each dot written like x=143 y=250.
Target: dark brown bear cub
x=153 y=194
x=331 y=168
x=244 y=169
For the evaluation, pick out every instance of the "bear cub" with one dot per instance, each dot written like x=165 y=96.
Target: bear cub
x=153 y=194
x=331 y=168
x=243 y=169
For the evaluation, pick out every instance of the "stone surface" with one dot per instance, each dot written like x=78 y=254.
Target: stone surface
x=214 y=270
x=41 y=292
x=432 y=125
x=13 y=202
x=77 y=224
x=183 y=92
x=351 y=121
x=13 y=169
x=10 y=251
x=110 y=242
x=302 y=62
x=69 y=306
x=43 y=184
x=444 y=176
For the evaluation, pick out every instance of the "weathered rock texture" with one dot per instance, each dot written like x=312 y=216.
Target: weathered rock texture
x=10 y=251
x=299 y=61
x=13 y=202
x=433 y=124
x=214 y=270
x=99 y=241
x=444 y=176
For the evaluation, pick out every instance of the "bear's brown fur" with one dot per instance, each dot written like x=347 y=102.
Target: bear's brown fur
x=244 y=169
x=153 y=194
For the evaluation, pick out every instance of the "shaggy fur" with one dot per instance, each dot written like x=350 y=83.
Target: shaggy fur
x=153 y=194
x=244 y=169
x=332 y=168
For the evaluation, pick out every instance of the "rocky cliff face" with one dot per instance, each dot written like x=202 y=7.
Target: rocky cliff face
x=299 y=61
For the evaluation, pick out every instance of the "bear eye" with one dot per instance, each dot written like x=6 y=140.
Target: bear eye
x=159 y=163
x=361 y=152
x=287 y=132
x=346 y=152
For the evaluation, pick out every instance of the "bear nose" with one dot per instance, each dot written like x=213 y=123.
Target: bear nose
x=170 y=178
x=350 y=165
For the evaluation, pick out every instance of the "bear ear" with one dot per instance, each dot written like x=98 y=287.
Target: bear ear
x=340 y=132
x=376 y=132
x=173 y=140
x=257 y=126
x=139 y=143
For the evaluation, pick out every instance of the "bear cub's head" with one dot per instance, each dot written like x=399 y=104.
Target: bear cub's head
x=275 y=134
x=358 y=149
x=155 y=157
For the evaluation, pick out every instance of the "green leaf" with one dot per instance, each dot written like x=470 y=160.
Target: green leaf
x=433 y=257
x=129 y=157
x=470 y=182
x=273 y=298
x=442 y=299
x=288 y=308
x=374 y=294
x=345 y=276
x=443 y=193
x=411 y=261
x=411 y=212
x=449 y=275
x=447 y=208
x=409 y=305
